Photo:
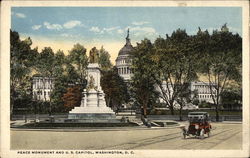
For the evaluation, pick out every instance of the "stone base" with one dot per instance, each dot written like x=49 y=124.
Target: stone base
x=92 y=110
x=91 y=116
x=92 y=121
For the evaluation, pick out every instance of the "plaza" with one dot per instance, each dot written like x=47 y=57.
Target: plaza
x=223 y=136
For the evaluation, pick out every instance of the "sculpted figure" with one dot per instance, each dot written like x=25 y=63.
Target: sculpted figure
x=91 y=84
x=93 y=55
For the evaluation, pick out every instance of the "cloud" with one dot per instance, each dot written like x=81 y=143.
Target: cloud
x=65 y=35
x=95 y=29
x=104 y=30
x=120 y=31
x=110 y=29
x=143 y=31
x=139 y=22
x=70 y=35
x=36 y=27
x=52 y=26
x=20 y=15
x=137 y=33
x=71 y=24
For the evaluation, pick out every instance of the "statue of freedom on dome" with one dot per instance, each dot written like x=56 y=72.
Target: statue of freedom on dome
x=93 y=55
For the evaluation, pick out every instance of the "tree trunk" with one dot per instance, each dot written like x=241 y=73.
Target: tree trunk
x=180 y=113
x=50 y=108
x=12 y=99
x=217 y=113
x=217 y=104
x=171 y=109
x=145 y=111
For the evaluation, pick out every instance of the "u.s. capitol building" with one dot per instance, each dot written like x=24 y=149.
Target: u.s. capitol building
x=124 y=61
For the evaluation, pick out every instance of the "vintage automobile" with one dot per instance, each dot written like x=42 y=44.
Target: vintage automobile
x=199 y=125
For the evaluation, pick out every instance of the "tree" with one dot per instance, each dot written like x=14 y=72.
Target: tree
x=115 y=88
x=142 y=80
x=71 y=73
x=104 y=60
x=72 y=98
x=61 y=81
x=184 y=98
x=21 y=63
x=175 y=67
x=222 y=62
x=79 y=60
x=60 y=63
x=231 y=98
x=46 y=66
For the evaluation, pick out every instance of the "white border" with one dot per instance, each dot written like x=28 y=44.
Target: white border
x=5 y=69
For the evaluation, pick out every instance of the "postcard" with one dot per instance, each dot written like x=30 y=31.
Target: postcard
x=124 y=79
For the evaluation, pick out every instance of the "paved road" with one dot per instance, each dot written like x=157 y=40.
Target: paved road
x=224 y=136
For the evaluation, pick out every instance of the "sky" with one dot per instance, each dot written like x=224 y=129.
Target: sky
x=62 y=27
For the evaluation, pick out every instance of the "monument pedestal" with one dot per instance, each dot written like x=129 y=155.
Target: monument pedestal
x=93 y=106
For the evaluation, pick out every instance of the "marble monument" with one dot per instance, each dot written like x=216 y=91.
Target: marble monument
x=93 y=106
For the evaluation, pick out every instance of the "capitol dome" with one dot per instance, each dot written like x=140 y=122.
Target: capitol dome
x=127 y=48
x=124 y=61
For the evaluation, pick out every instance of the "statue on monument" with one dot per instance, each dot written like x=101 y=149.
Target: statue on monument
x=91 y=84
x=93 y=55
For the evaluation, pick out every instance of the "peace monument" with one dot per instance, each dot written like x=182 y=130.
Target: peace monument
x=93 y=106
